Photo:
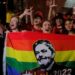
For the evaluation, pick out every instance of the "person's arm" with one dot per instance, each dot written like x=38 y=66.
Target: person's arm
x=49 y=14
x=24 y=13
x=31 y=15
x=51 y=10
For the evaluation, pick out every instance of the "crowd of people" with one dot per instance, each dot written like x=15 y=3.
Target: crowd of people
x=29 y=21
x=59 y=23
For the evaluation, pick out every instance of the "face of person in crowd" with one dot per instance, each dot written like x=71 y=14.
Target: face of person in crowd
x=46 y=26
x=74 y=10
x=13 y=23
x=73 y=25
x=1 y=30
x=43 y=54
x=59 y=23
x=37 y=23
x=69 y=25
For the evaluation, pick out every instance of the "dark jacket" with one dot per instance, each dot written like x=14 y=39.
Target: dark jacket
x=55 y=70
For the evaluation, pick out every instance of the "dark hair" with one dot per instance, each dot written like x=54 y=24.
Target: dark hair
x=47 y=43
x=69 y=20
x=38 y=16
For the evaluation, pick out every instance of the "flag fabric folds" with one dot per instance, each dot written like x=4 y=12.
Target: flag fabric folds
x=20 y=54
x=11 y=71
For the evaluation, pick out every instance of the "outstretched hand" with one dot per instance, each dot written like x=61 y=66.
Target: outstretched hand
x=51 y=3
x=28 y=11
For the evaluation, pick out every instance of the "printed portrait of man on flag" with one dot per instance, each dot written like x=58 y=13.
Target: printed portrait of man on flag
x=45 y=53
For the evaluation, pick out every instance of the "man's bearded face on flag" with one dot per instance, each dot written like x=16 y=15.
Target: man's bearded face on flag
x=43 y=53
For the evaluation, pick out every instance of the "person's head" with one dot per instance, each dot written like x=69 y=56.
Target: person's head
x=37 y=21
x=58 y=25
x=44 y=52
x=74 y=24
x=69 y=24
x=73 y=10
x=2 y=28
x=14 y=23
x=46 y=27
x=59 y=22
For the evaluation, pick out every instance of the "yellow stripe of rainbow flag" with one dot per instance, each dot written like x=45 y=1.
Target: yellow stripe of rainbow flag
x=22 y=56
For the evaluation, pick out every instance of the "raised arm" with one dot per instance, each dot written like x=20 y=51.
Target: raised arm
x=31 y=15
x=24 y=13
x=50 y=9
x=51 y=6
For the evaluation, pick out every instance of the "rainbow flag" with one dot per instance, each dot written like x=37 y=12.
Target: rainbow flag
x=20 y=54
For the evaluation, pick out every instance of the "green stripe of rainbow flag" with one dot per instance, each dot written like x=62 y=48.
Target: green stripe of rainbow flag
x=20 y=54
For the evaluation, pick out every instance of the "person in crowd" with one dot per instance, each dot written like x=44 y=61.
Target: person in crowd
x=69 y=14
x=16 y=21
x=37 y=23
x=58 y=25
x=2 y=29
x=25 y=19
x=45 y=53
x=2 y=36
x=35 y=19
x=68 y=27
x=46 y=27
x=14 y=25
x=72 y=32
x=74 y=25
x=1 y=54
x=73 y=12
